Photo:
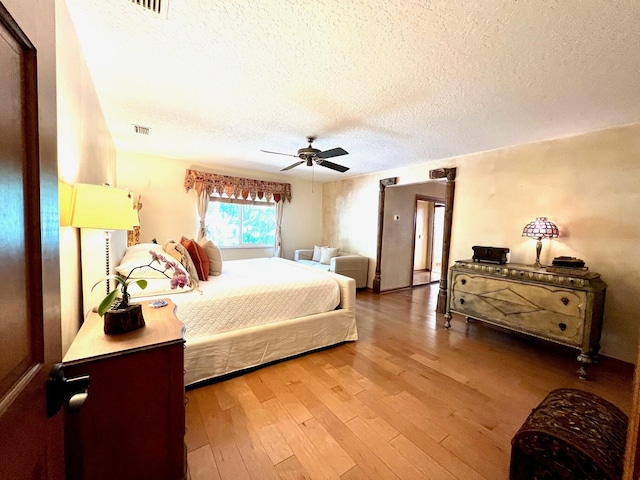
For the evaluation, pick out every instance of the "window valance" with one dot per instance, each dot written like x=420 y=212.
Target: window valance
x=236 y=187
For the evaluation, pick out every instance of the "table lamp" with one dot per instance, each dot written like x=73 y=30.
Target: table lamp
x=105 y=208
x=540 y=228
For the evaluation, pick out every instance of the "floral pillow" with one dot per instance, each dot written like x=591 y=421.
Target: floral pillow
x=180 y=253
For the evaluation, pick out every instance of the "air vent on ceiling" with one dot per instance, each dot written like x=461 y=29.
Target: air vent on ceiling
x=158 y=6
x=141 y=130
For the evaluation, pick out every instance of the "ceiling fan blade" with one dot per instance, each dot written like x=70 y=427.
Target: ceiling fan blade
x=334 y=152
x=278 y=153
x=332 y=166
x=292 y=165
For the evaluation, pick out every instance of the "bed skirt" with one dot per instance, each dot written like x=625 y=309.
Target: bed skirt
x=230 y=352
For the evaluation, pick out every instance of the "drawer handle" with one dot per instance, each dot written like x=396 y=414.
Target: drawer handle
x=563 y=326
x=461 y=301
x=463 y=281
x=564 y=300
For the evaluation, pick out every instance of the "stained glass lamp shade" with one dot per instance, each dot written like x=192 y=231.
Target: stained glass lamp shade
x=540 y=228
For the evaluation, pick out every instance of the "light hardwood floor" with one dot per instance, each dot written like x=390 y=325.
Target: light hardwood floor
x=408 y=400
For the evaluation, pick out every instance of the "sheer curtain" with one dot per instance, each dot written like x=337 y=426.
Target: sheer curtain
x=202 y=202
x=278 y=247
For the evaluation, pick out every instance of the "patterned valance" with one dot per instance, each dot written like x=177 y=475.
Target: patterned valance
x=236 y=187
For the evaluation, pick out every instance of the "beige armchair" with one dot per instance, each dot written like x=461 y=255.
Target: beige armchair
x=347 y=264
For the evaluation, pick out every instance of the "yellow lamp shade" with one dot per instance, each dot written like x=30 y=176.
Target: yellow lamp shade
x=102 y=207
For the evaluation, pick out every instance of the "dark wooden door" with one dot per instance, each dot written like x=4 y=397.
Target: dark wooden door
x=32 y=444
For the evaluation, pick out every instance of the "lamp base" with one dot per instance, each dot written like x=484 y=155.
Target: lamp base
x=536 y=265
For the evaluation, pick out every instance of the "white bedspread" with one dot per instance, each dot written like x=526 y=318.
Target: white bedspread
x=255 y=292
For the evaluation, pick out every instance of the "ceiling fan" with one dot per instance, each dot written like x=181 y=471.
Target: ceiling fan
x=309 y=155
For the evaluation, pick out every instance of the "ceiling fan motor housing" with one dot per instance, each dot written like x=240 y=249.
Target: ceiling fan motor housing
x=308 y=153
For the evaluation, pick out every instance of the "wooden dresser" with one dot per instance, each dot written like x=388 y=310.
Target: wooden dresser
x=561 y=308
x=132 y=424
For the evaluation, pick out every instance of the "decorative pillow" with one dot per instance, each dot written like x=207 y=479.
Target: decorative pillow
x=198 y=256
x=188 y=263
x=138 y=256
x=214 y=255
x=327 y=254
x=170 y=249
x=174 y=248
x=317 y=253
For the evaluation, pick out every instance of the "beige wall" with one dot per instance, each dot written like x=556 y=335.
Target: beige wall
x=169 y=212
x=350 y=216
x=589 y=185
x=86 y=154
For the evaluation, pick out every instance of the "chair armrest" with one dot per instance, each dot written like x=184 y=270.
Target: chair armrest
x=354 y=266
x=303 y=255
x=349 y=262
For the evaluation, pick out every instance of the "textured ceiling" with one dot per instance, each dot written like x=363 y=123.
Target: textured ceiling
x=393 y=82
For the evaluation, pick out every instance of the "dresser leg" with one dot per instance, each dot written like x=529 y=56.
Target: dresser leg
x=595 y=353
x=585 y=361
x=447 y=318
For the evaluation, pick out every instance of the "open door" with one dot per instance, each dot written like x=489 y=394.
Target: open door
x=31 y=442
x=428 y=234
x=437 y=243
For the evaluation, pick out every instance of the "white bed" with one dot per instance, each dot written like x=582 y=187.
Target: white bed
x=259 y=311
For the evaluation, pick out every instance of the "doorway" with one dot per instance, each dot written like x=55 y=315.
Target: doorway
x=428 y=240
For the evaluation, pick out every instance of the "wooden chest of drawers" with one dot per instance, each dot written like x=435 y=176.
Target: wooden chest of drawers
x=133 y=422
x=562 y=308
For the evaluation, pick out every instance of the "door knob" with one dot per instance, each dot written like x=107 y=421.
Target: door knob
x=61 y=389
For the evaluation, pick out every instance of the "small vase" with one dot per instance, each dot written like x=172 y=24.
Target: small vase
x=123 y=320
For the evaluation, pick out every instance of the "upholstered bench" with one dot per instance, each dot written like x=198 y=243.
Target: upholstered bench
x=572 y=434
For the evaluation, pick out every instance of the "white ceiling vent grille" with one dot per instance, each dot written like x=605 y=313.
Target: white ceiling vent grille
x=141 y=130
x=158 y=6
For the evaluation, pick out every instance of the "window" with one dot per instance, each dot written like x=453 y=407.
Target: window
x=241 y=223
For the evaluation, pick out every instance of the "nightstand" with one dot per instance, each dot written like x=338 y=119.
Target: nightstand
x=133 y=422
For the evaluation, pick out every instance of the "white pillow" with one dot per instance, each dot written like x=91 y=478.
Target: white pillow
x=144 y=247
x=317 y=253
x=327 y=254
x=214 y=255
x=155 y=287
x=138 y=256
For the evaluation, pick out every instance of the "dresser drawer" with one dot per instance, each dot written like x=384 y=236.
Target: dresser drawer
x=551 y=312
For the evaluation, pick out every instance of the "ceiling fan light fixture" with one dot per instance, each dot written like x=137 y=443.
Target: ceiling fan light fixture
x=309 y=155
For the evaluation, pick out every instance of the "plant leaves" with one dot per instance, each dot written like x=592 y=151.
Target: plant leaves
x=118 y=278
x=106 y=303
x=142 y=283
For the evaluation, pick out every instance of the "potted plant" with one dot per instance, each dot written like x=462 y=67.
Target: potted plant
x=119 y=315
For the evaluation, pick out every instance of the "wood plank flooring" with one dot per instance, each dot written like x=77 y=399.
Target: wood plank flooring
x=408 y=400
